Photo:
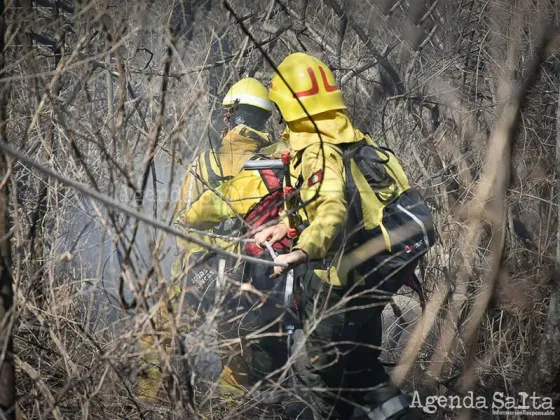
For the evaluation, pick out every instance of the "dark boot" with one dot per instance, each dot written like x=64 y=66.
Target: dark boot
x=385 y=403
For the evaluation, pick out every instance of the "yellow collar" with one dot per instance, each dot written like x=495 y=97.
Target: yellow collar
x=330 y=127
x=244 y=138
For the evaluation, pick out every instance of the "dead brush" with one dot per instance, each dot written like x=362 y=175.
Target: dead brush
x=119 y=97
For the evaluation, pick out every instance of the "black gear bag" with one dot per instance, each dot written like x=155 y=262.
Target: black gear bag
x=406 y=216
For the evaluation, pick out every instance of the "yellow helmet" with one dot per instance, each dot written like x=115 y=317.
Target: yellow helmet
x=248 y=91
x=311 y=81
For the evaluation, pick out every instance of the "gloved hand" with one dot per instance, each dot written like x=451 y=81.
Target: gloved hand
x=271 y=234
x=291 y=259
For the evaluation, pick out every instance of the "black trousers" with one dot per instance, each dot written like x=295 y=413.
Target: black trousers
x=345 y=332
x=270 y=352
x=259 y=319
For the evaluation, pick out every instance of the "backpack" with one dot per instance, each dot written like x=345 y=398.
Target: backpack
x=406 y=217
x=267 y=209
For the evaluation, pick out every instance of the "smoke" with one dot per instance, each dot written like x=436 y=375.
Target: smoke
x=90 y=237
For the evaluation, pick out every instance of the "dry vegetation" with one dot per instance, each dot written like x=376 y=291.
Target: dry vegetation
x=121 y=95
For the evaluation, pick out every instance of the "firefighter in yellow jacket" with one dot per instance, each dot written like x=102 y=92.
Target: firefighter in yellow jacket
x=319 y=132
x=256 y=195
x=246 y=109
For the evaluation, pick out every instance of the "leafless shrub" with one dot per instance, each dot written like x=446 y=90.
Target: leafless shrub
x=120 y=96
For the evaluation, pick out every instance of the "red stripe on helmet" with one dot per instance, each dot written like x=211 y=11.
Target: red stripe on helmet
x=314 y=85
x=328 y=87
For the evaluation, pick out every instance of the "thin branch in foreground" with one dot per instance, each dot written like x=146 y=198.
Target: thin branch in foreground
x=7 y=365
x=110 y=202
x=488 y=204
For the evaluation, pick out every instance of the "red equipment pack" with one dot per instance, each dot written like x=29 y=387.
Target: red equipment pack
x=267 y=210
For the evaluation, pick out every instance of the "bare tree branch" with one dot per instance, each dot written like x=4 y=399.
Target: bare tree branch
x=7 y=308
x=108 y=201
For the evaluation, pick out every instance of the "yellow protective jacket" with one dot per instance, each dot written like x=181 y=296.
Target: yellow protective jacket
x=317 y=168
x=232 y=198
x=241 y=193
x=212 y=168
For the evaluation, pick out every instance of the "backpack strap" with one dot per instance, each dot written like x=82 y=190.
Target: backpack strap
x=213 y=178
x=272 y=179
x=382 y=157
x=353 y=198
x=352 y=195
